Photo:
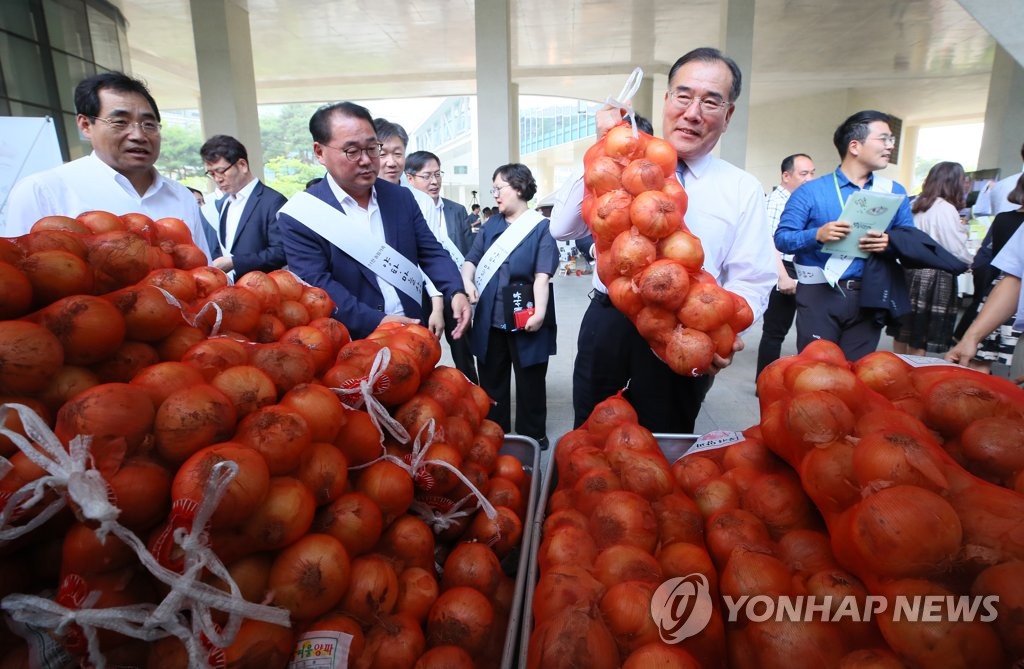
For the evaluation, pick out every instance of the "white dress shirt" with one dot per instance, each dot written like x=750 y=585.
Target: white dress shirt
x=434 y=219
x=726 y=211
x=88 y=184
x=370 y=224
x=996 y=199
x=236 y=205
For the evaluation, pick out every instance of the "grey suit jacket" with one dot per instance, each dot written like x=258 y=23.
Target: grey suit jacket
x=455 y=219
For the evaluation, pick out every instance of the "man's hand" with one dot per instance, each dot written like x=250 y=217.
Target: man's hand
x=471 y=293
x=224 y=264
x=718 y=363
x=963 y=352
x=786 y=285
x=606 y=118
x=875 y=241
x=463 y=314
x=832 y=231
x=435 y=320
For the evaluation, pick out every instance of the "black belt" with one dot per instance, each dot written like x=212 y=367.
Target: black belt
x=601 y=298
x=848 y=284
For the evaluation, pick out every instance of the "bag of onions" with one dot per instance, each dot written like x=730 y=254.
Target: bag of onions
x=646 y=256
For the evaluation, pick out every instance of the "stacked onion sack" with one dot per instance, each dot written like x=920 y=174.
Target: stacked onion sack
x=178 y=464
x=616 y=527
x=903 y=515
x=767 y=539
x=650 y=262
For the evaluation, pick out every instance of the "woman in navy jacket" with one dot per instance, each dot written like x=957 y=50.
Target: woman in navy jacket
x=500 y=349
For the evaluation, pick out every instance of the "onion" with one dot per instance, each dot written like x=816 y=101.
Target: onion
x=311 y=576
x=190 y=419
x=679 y=519
x=567 y=545
x=657 y=654
x=268 y=329
x=122 y=255
x=129 y=359
x=248 y=388
x=502 y=533
x=818 y=417
x=417 y=592
x=645 y=473
x=630 y=252
x=806 y=552
x=664 y=284
x=564 y=587
x=141 y=488
x=263 y=287
x=115 y=415
x=608 y=414
x=681 y=559
x=655 y=214
x=657 y=327
x=394 y=642
x=603 y=175
x=243 y=494
x=410 y=542
x=626 y=518
x=753 y=573
x=287 y=365
x=60 y=223
x=99 y=222
x=45 y=277
x=373 y=589
x=389 y=486
x=473 y=565
x=445 y=657
x=461 y=616
x=890 y=457
x=354 y=520
x=662 y=154
x=29 y=356
x=826 y=474
x=735 y=529
x=779 y=501
x=610 y=217
x=899 y=532
x=285 y=514
x=339 y=622
x=288 y=284
x=89 y=328
x=627 y=611
x=620 y=143
x=688 y=351
x=693 y=471
x=591 y=487
x=177 y=282
x=622 y=562
x=16 y=299
x=625 y=296
x=85 y=554
x=575 y=637
x=277 y=433
x=642 y=175
x=358 y=438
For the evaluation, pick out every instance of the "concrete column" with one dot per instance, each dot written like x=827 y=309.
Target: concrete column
x=227 y=83
x=497 y=99
x=1004 y=116
x=737 y=41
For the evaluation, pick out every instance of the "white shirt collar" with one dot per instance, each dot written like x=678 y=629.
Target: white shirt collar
x=246 y=191
x=699 y=166
x=344 y=198
x=122 y=180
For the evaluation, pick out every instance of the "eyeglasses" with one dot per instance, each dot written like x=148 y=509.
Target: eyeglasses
x=120 y=125
x=707 y=105
x=353 y=152
x=220 y=171
x=428 y=176
x=887 y=140
x=496 y=191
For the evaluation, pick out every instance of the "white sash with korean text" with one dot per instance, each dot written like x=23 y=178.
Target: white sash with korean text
x=503 y=246
x=838 y=263
x=336 y=227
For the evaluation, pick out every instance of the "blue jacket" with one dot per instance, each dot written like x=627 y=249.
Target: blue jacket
x=359 y=302
x=533 y=347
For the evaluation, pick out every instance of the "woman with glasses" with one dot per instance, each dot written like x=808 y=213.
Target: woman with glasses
x=507 y=275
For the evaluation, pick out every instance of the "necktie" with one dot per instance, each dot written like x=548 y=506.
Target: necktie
x=224 y=224
x=681 y=173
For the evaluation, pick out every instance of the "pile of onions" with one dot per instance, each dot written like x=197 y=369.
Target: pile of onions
x=617 y=526
x=316 y=521
x=903 y=515
x=650 y=262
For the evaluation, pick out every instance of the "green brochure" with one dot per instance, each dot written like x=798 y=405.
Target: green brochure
x=865 y=210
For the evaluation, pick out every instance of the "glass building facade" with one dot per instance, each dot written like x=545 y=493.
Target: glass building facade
x=46 y=48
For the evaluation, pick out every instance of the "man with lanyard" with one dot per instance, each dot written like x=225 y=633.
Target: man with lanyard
x=363 y=239
x=121 y=120
x=448 y=223
x=828 y=290
x=726 y=211
x=797 y=170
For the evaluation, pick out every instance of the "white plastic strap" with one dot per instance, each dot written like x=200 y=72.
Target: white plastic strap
x=363 y=394
x=629 y=89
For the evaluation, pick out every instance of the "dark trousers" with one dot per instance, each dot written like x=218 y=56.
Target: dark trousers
x=824 y=312
x=461 y=354
x=611 y=353
x=778 y=319
x=496 y=369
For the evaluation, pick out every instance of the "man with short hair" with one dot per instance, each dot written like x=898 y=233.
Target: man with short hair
x=423 y=169
x=726 y=211
x=246 y=217
x=828 y=293
x=363 y=239
x=797 y=169
x=120 y=118
x=474 y=217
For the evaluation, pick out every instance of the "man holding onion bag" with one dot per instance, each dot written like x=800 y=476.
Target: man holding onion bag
x=726 y=211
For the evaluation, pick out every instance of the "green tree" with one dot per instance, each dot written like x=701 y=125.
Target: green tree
x=289 y=175
x=179 y=152
x=285 y=134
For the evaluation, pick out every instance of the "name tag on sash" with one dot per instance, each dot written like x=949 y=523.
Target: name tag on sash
x=337 y=227
x=503 y=246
